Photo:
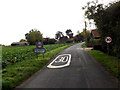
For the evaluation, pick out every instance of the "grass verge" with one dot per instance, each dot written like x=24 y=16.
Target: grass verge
x=110 y=62
x=16 y=73
x=84 y=45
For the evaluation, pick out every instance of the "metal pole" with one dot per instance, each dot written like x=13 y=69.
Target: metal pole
x=43 y=55
x=108 y=48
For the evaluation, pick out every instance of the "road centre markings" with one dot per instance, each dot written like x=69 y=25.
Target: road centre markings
x=60 y=61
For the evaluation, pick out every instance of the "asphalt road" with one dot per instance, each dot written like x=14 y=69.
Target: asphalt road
x=83 y=72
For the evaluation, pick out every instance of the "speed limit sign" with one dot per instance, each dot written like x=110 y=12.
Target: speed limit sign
x=108 y=39
x=39 y=45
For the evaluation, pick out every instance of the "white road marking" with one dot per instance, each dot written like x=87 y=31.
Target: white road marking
x=65 y=60
x=61 y=60
x=80 y=48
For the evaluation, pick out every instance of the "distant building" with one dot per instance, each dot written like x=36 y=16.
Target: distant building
x=95 y=34
x=19 y=44
x=73 y=39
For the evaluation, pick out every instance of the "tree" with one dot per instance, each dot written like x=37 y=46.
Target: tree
x=59 y=35
x=62 y=39
x=69 y=33
x=79 y=37
x=88 y=34
x=107 y=20
x=33 y=36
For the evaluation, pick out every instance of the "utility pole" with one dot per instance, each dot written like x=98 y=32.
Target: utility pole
x=85 y=33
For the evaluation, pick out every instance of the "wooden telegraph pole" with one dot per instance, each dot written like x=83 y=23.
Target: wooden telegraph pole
x=85 y=33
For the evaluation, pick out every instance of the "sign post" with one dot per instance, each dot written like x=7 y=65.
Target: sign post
x=108 y=40
x=39 y=49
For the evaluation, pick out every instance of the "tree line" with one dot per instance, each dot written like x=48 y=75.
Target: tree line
x=35 y=35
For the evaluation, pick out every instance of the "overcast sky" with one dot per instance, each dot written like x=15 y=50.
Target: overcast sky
x=18 y=17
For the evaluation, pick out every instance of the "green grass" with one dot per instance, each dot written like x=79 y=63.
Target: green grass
x=15 y=73
x=110 y=62
x=84 y=45
x=18 y=54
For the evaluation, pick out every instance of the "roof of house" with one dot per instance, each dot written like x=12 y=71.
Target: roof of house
x=95 y=33
x=73 y=38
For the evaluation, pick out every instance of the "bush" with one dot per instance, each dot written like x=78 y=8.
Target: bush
x=69 y=41
x=93 y=42
x=97 y=47
x=6 y=85
x=49 y=41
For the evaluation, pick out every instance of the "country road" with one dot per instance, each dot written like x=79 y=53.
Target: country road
x=82 y=72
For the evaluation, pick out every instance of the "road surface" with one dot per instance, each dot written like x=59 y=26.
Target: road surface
x=82 y=72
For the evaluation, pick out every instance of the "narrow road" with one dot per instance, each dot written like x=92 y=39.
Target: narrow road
x=82 y=72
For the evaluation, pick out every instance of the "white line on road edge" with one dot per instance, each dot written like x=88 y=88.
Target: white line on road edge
x=67 y=64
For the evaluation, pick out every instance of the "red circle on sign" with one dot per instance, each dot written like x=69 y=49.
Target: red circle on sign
x=39 y=44
x=108 y=39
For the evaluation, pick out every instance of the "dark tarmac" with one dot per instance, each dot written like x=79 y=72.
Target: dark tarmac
x=83 y=72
